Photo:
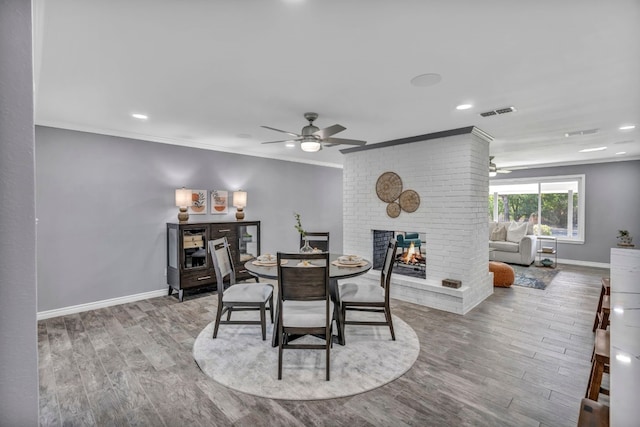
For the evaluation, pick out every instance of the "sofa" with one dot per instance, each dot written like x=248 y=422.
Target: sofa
x=512 y=242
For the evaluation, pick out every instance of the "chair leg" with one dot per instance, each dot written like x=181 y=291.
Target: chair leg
x=218 y=317
x=596 y=381
x=343 y=319
x=263 y=321
x=596 y=320
x=280 y=344
x=387 y=314
x=229 y=310
x=271 y=307
x=328 y=337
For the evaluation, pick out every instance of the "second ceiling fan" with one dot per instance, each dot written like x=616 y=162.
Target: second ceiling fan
x=493 y=169
x=313 y=138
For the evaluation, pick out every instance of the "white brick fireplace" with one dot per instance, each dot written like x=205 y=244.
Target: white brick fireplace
x=449 y=171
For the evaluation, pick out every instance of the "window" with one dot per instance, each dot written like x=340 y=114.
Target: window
x=555 y=205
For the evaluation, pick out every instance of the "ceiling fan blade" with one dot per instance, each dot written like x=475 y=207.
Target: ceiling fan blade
x=283 y=131
x=282 y=140
x=335 y=141
x=327 y=132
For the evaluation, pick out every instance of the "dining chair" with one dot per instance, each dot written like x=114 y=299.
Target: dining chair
x=317 y=240
x=304 y=303
x=369 y=297
x=237 y=296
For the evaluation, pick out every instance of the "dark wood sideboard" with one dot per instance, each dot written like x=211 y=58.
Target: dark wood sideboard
x=189 y=264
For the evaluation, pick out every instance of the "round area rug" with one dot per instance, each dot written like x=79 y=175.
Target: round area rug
x=239 y=359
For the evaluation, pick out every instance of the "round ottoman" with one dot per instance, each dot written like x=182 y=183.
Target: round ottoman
x=503 y=274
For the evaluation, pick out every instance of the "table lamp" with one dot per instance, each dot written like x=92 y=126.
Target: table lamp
x=183 y=201
x=240 y=202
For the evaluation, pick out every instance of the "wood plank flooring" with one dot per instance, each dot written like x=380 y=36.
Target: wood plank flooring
x=521 y=358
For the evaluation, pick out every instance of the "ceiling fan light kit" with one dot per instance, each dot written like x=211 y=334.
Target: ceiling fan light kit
x=310 y=145
x=312 y=138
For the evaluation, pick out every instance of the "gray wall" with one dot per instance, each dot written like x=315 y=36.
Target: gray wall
x=612 y=202
x=103 y=203
x=18 y=337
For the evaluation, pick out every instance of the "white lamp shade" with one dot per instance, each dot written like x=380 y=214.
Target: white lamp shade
x=240 y=199
x=310 y=146
x=183 y=197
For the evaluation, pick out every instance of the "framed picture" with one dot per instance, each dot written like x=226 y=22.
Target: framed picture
x=219 y=202
x=199 y=206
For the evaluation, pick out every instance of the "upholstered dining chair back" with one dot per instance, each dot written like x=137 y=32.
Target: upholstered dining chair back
x=304 y=303
x=237 y=297
x=317 y=240
x=222 y=264
x=387 y=266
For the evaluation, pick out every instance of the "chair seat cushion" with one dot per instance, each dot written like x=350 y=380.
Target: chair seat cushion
x=305 y=314
x=248 y=292
x=352 y=292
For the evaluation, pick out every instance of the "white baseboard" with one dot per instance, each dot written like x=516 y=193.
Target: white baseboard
x=584 y=263
x=100 y=304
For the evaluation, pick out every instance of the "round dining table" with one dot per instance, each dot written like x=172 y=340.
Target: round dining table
x=336 y=272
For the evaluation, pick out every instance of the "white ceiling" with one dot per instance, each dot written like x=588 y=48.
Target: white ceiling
x=208 y=73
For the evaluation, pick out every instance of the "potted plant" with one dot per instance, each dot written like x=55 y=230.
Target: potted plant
x=624 y=238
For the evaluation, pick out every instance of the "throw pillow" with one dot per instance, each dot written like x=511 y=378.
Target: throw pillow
x=499 y=234
x=516 y=231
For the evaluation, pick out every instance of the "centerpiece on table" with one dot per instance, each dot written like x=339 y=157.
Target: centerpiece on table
x=306 y=248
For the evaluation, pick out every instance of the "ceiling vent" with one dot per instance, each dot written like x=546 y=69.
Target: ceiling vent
x=498 y=111
x=581 y=132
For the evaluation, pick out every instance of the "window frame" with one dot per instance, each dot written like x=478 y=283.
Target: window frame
x=581 y=180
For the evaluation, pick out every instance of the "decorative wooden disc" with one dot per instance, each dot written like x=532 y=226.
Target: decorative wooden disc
x=393 y=210
x=409 y=201
x=389 y=187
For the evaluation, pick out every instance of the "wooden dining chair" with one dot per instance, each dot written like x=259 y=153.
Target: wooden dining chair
x=237 y=296
x=304 y=303
x=368 y=296
x=317 y=240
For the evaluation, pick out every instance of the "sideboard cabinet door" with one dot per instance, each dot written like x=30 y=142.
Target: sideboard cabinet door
x=189 y=264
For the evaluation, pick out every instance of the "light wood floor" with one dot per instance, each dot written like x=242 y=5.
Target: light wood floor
x=521 y=358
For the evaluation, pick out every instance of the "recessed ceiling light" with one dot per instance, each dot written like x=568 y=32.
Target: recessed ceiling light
x=621 y=152
x=589 y=150
x=139 y=116
x=627 y=127
x=424 y=80
x=290 y=145
x=464 y=106
x=619 y=310
x=623 y=358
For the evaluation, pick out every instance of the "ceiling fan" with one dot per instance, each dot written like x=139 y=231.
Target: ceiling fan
x=313 y=138
x=493 y=169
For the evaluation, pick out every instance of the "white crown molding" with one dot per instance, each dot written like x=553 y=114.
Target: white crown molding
x=179 y=142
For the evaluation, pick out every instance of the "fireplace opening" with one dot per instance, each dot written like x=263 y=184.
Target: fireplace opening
x=410 y=258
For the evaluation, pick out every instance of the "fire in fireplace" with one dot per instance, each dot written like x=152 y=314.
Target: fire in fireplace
x=411 y=256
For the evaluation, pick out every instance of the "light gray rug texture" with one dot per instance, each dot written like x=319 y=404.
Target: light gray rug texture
x=239 y=359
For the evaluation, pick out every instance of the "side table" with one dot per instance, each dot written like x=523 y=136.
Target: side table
x=547 y=251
